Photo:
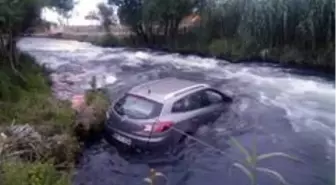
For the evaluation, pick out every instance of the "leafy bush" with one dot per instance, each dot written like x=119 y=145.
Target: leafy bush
x=109 y=40
x=226 y=47
x=37 y=173
x=37 y=109
x=90 y=117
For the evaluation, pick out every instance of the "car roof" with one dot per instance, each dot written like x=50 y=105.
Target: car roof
x=166 y=88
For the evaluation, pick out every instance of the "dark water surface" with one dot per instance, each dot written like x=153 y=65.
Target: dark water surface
x=277 y=109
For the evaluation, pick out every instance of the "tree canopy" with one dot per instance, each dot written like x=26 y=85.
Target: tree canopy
x=148 y=16
x=18 y=16
x=106 y=16
x=61 y=5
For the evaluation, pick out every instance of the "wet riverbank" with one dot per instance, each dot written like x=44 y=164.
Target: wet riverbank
x=289 y=112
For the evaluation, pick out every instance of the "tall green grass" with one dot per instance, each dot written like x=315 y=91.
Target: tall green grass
x=299 y=32
x=37 y=173
x=251 y=26
x=27 y=98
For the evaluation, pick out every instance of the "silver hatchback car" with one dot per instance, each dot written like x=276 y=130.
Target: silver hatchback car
x=148 y=115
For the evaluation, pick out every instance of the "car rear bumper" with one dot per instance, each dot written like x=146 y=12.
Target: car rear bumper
x=135 y=141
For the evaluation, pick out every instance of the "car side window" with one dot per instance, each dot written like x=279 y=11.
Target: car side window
x=214 y=97
x=188 y=103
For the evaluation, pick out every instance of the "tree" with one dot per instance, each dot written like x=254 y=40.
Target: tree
x=63 y=7
x=145 y=15
x=17 y=17
x=92 y=15
x=106 y=16
x=130 y=13
x=174 y=14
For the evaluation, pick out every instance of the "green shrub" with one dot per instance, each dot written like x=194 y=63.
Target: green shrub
x=8 y=91
x=109 y=40
x=93 y=116
x=37 y=109
x=20 y=173
x=233 y=48
x=96 y=97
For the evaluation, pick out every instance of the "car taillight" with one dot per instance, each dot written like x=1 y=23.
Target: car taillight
x=159 y=126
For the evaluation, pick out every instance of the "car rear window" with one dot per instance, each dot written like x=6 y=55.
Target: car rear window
x=137 y=107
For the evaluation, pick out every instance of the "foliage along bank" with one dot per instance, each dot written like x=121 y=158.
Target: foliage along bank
x=35 y=128
x=36 y=142
x=41 y=136
x=297 y=32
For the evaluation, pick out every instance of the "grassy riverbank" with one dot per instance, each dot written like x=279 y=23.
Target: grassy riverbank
x=26 y=99
x=39 y=140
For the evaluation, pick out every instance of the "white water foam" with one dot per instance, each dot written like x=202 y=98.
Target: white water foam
x=309 y=102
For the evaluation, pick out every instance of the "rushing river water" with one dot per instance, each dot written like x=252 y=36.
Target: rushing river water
x=289 y=112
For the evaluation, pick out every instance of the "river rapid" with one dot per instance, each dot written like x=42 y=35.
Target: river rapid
x=275 y=109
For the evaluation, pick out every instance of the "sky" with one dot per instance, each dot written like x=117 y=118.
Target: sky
x=81 y=9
